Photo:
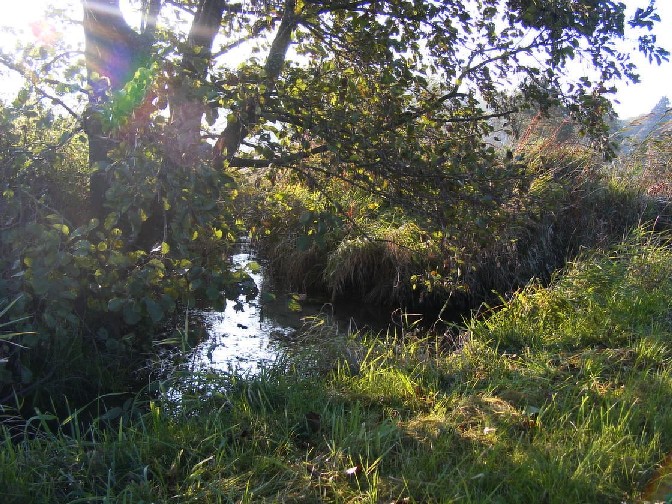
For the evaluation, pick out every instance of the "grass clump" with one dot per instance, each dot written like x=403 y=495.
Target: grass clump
x=562 y=395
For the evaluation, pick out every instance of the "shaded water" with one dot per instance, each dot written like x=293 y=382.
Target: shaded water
x=251 y=334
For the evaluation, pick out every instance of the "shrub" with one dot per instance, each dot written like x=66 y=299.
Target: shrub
x=552 y=200
x=93 y=295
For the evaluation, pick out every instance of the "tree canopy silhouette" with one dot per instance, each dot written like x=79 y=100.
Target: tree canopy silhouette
x=391 y=95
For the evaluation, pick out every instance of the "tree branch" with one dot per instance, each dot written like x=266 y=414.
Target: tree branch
x=237 y=129
x=150 y=16
x=257 y=29
x=240 y=162
x=32 y=77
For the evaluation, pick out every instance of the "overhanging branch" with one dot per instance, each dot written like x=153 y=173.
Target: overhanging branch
x=240 y=162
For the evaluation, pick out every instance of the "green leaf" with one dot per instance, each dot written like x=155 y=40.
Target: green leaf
x=294 y=305
x=119 y=260
x=41 y=285
x=303 y=243
x=112 y=413
x=49 y=320
x=26 y=375
x=167 y=303
x=254 y=266
x=82 y=248
x=267 y=297
x=212 y=293
x=131 y=313
x=115 y=304
x=62 y=228
x=154 y=309
x=111 y=220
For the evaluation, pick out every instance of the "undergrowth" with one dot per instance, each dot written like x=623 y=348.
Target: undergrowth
x=554 y=201
x=561 y=396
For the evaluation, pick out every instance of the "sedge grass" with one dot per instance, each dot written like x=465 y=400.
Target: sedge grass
x=563 y=395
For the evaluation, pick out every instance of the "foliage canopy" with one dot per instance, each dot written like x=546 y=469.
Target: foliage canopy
x=393 y=96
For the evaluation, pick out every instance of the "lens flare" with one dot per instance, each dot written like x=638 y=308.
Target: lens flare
x=44 y=32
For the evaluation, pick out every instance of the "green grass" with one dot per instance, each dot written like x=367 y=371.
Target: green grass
x=563 y=395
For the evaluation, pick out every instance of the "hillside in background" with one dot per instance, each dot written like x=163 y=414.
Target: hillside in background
x=657 y=124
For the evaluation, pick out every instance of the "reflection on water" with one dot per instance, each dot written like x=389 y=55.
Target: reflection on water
x=240 y=337
x=248 y=336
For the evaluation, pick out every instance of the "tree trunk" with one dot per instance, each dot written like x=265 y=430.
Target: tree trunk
x=182 y=142
x=113 y=52
x=184 y=134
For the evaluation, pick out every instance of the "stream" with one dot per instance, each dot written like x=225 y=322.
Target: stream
x=250 y=335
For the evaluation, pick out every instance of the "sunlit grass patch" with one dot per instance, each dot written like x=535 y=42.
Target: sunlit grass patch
x=603 y=299
x=599 y=337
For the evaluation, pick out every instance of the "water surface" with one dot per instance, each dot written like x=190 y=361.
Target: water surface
x=251 y=334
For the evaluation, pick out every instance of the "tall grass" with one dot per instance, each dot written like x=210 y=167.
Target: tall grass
x=563 y=395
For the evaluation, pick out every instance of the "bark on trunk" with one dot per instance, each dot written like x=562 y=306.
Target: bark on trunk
x=184 y=133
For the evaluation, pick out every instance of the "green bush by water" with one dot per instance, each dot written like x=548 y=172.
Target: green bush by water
x=553 y=201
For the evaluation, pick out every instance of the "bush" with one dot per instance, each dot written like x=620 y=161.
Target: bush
x=91 y=296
